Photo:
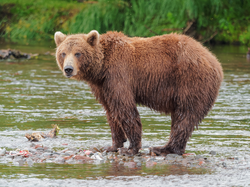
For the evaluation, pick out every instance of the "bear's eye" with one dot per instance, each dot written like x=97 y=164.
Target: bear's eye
x=63 y=55
x=77 y=55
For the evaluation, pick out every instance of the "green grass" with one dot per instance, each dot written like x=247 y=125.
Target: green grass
x=38 y=19
x=227 y=20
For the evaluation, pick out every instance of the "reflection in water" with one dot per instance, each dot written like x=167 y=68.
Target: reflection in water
x=95 y=170
x=34 y=94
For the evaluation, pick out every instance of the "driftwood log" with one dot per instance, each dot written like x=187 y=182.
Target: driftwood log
x=15 y=54
x=37 y=136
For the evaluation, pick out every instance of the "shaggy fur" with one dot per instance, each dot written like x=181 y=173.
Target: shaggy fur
x=172 y=74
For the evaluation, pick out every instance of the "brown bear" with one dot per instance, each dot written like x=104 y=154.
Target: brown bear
x=172 y=74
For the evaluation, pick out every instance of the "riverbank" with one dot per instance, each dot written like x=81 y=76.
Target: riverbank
x=207 y=21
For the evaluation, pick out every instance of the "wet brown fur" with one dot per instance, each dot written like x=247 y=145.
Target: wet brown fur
x=172 y=74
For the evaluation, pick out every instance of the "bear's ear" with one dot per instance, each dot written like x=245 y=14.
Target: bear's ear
x=59 y=38
x=93 y=38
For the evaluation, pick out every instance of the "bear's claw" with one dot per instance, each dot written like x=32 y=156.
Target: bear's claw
x=163 y=151
x=128 y=152
x=111 y=149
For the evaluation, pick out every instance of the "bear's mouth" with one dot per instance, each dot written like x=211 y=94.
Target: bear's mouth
x=68 y=76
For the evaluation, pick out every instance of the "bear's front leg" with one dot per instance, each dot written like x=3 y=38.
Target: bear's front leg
x=122 y=115
x=133 y=130
x=117 y=133
x=129 y=122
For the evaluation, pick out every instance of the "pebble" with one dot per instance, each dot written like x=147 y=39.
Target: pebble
x=60 y=160
x=137 y=159
x=70 y=161
x=30 y=162
x=64 y=150
x=12 y=153
x=32 y=150
x=198 y=157
x=150 y=164
x=189 y=155
x=64 y=154
x=98 y=161
x=48 y=150
x=139 y=164
x=49 y=161
x=2 y=152
x=160 y=158
x=179 y=158
x=201 y=163
x=11 y=156
x=40 y=149
x=89 y=152
x=73 y=149
x=224 y=164
x=104 y=153
x=130 y=164
x=47 y=154
x=171 y=156
x=70 y=152
x=212 y=153
x=79 y=157
x=185 y=162
x=144 y=151
x=97 y=156
x=18 y=160
x=121 y=163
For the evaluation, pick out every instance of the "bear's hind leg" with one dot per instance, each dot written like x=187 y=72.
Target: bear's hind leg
x=181 y=129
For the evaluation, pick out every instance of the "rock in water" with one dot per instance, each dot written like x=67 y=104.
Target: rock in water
x=2 y=152
x=212 y=153
x=30 y=162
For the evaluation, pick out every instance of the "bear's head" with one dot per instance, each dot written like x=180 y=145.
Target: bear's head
x=79 y=56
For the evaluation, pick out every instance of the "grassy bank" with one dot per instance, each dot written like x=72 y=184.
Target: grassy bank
x=35 y=19
x=225 y=21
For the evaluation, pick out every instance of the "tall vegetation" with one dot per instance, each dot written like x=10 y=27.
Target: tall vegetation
x=35 y=19
x=220 y=20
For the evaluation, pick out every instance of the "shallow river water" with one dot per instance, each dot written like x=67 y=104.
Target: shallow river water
x=34 y=94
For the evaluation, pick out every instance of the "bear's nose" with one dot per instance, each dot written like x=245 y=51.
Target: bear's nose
x=68 y=70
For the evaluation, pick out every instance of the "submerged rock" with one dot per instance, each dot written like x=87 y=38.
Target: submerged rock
x=2 y=152
x=30 y=162
x=212 y=153
x=97 y=156
x=130 y=164
x=171 y=156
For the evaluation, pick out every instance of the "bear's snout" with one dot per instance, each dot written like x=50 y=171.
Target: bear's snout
x=68 y=71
